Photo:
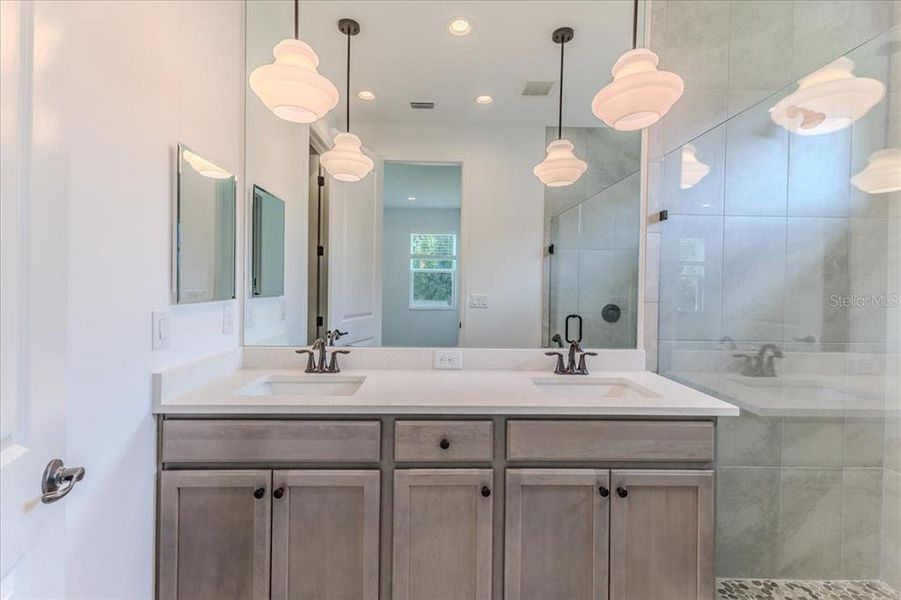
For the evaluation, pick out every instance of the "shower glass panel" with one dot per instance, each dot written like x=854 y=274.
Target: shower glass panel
x=780 y=291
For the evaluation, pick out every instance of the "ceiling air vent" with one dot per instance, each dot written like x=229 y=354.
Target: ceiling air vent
x=538 y=88
x=423 y=105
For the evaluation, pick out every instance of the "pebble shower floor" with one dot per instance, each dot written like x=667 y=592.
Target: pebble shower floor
x=768 y=589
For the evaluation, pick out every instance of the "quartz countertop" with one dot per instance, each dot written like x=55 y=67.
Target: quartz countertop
x=450 y=392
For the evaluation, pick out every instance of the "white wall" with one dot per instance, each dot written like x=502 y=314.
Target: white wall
x=278 y=161
x=140 y=77
x=502 y=219
x=402 y=325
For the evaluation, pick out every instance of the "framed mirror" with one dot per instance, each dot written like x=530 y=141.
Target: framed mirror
x=451 y=239
x=204 y=230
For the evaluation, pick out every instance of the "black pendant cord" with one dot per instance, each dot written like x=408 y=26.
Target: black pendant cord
x=560 y=103
x=635 y=25
x=348 y=83
x=296 y=19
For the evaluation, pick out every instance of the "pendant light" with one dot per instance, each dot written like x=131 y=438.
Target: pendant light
x=346 y=161
x=639 y=94
x=693 y=170
x=291 y=87
x=827 y=100
x=561 y=166
x=882 y=174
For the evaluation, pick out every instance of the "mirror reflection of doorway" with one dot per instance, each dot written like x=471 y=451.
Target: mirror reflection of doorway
x=421 y=255
x=317 y=255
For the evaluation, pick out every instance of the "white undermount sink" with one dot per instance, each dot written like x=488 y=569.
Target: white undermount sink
x=304 y=385
x=577 y=386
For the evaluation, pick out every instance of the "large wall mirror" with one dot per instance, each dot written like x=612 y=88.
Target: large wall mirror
x=451 y=239
x=204 y=236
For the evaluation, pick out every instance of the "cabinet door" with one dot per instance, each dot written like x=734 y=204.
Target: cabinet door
x=661 y=535
x=214 y=535
x=556 y=534
x=325 y=535
x=442 y=534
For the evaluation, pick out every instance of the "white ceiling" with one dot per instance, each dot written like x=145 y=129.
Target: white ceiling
x=432 y=186
x=404 y=53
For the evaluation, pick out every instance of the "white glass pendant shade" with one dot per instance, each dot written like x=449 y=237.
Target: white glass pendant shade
x=204 y=167
x=693 y=170
x=291 y=87
x=346 y=161
x=827 y=100
x=639 y=94
x=882 y=174
x=561 y=166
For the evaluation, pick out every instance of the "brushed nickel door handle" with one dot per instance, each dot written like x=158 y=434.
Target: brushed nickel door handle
x=58 y=480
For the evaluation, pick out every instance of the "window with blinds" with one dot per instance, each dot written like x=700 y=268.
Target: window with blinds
x=433 y=270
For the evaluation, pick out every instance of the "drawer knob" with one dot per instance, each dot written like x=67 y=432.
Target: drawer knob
x=485 y=491
x=622 y=492
x=278 y=493
x=604 y=492
x=259 y=493
x=444 y=444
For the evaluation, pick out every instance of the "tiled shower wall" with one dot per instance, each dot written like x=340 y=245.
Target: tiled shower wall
x=800 y=496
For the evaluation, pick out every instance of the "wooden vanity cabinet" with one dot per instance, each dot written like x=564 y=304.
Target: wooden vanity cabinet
x=442 y=534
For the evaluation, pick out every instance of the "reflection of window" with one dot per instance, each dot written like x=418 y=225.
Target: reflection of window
x=690 y=293
x=433 y=269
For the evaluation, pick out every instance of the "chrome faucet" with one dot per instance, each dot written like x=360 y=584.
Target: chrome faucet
x=761 y=364
x=318 y=365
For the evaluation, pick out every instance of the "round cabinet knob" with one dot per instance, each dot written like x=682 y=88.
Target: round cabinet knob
x=485 y=491
x=278 y=493
x=604 y=492
x=622 y=492
x=259 y=493
x=444 y=444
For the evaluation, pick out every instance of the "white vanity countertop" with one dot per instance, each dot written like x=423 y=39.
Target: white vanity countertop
x=456 y=392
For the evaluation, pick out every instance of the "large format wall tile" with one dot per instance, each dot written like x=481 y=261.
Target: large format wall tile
x=749 y=440
x=706 y=197
x=891 y=529
x=867 y=264
x=747 y=521
x=863 y=444
x=812 y=442
x=823 y=31
x=810 y=530
x=697 y=42
x=861 y=519
x=754 y=278
x=819 y=168
x=761 y=40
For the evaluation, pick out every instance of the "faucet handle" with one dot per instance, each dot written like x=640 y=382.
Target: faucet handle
x=583 y=368
x=310 y=368
x=560 y=369
x=333 y=361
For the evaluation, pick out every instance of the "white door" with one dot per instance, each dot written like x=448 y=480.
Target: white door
x=355 y=258
x=33 y=289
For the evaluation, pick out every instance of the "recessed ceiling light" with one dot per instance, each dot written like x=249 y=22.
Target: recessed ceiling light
x=484 y=99
x=459 y=26
x=365 y=95
x=412 y=198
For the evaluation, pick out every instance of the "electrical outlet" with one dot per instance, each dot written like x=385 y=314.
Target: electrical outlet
x=228 y=317
x=282 y=309
x=478 y=300
x=448 y=359
x=161 y=330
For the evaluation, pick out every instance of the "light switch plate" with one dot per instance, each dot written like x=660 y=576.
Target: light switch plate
x=228 y=317
x=161 y=330
x=478 y=300
x=448 y=359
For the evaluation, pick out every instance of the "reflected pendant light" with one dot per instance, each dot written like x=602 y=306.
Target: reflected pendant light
x=346 y=161
x=561 y=166
x=204 y=167
x=827 y=100
x=291 y=87
x=693 y=170
x=639 y=94
x=882 y=174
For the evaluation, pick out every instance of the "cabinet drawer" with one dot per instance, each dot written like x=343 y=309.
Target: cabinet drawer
x=610 y=441
x=226 y=441
x=439 y=441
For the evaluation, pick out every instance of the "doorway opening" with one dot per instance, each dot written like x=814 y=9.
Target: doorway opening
x=421 y=260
